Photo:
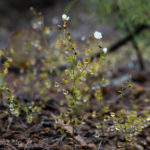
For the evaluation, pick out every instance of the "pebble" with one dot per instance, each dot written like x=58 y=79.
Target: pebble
x=48 y=124
x=52 y=133
x=143 y=142
x=148 y=139
x=65 y=147
x=54 y=146
x=138 y=147
x=92 y=146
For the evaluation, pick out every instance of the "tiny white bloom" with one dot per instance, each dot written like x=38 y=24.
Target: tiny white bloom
x=30 y=107
x=83 y=38
x=105 y=50
x=93 y=87
x=65 y=17
x=66 y=52
x=97 y=35
x=11 y=106
x=39 y=22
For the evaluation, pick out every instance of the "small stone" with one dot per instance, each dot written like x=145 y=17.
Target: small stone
x=139 y=76
x=138 y=147
x=21 y=145
x=92 y=146
x=148 y=139
x=138 y=90
x=85 y=128
x=2 y=142
x=109 y=147
x=54 y=146
x=65 y=147
x=52 y=133
x=48 y=124
x=143 y=142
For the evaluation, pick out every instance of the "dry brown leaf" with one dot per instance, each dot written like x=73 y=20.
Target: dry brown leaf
x=70 y=129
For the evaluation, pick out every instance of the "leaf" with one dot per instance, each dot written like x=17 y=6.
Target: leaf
x=78 y=138
x=70 y=129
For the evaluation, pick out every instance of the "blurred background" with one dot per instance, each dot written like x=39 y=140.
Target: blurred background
x=15 y=15
x=114 y=19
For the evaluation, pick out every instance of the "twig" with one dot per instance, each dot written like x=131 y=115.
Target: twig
x=99 y=147
x=27 y=144
x=11 y=146
x=10 y=120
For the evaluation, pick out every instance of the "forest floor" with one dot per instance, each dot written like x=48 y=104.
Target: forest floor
x=42 y=134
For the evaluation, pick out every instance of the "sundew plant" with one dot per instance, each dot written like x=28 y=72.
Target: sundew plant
x=29 y=52
x=32 y=51
x=77 y=92
x=8 y=99
x=74 y=80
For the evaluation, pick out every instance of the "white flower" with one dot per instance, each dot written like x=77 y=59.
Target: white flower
x=93 y=87
x=65 y=17
x=97 y=35
x=105 y=50
x=66 y=52
x=83 y=38
x=11 y=106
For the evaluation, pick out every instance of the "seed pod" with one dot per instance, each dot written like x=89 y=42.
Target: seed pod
x=65 y=26
x=75 y=134
x=75 y=53
x=69 y=39
x=99 y=46
x=129 y=85
x=59 y=27
x=68 y=33
x=65 y=122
